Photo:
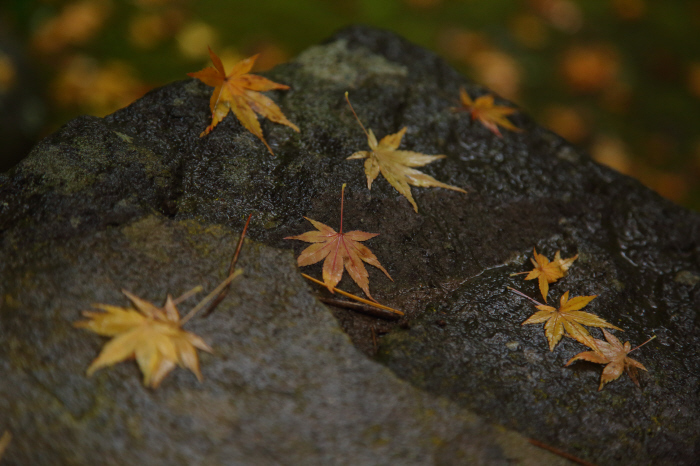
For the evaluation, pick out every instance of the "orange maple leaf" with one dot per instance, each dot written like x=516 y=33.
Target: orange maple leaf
x=240 y=92
x=548 y=272
x=484 y=110
x=152 y=335
x=614 y=355
x=339 y=249
x=396 y=165
x=568 y=318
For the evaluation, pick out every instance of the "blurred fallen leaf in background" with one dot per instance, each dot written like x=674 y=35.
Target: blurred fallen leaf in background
x=194 y=39
x=8 y=73
x=591 y=68
x=77 y=23
x=100 y=88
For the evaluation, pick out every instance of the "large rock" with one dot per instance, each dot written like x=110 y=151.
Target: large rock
x=138 y=201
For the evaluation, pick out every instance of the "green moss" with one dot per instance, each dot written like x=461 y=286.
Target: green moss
x=149 y=236
x=58 y=172
x=335 y=62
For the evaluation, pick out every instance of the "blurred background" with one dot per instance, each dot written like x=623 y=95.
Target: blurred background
x=619 y=78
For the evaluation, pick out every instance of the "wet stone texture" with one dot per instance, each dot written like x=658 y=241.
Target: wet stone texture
x=138 y=201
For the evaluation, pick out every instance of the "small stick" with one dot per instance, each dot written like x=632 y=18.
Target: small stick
x=561 y=453
x=231 y=269
x=188 y=294
x=524 y=296
x=223 y=285
x=356 y=298
x=363 y=308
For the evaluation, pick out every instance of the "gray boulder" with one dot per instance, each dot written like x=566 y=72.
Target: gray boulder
x=138 y=201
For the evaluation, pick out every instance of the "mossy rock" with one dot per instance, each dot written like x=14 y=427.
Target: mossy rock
x=138 y=200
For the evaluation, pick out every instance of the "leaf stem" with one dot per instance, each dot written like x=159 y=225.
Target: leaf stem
x=524 y=296
x=342 y=200
x=231 y=268
x=359 y=307
x=639 y=346
x=356 y=117
x=356 y=298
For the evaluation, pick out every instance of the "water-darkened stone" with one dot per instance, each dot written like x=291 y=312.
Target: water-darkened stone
x=137 y=200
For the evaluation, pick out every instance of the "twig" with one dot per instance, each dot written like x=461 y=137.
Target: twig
x=561 y=453
x=231 y=270
x=363 y=308
x=222 y=286
x=188 y=294
x=356 y=298
x=524 y=296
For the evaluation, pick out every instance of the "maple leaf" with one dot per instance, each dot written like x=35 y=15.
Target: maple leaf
x=568 y=318
x=152 y=335
x=239 y=92
x=614 y=355
x=339 y=249
x=395 y=164
x=548 y=272
x=484 y=110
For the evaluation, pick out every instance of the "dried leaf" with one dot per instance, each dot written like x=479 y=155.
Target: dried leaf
x=339 y=249
x=548 y=272
x=240 y=92
x=484 y=110
x=568 y=318
x=396 y=165
x=148 y=333
x=614 y=355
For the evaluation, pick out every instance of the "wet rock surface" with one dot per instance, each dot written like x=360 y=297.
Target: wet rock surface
x=137 y=200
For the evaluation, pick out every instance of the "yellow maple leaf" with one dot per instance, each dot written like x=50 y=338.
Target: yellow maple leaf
x=548 y=272
x=152 y=335
x=613 y=354
x=396 y=165
x=484 y=110
x=568 y=318
x=239 y=92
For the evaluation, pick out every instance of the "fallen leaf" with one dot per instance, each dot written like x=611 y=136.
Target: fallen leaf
x=396 y=165
x=548 y=272
x=4 y=443
x=339 y=249
x=484 y=110
x=152 y=335
x=614 y=355
x=568 y=318
x=240 y=92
